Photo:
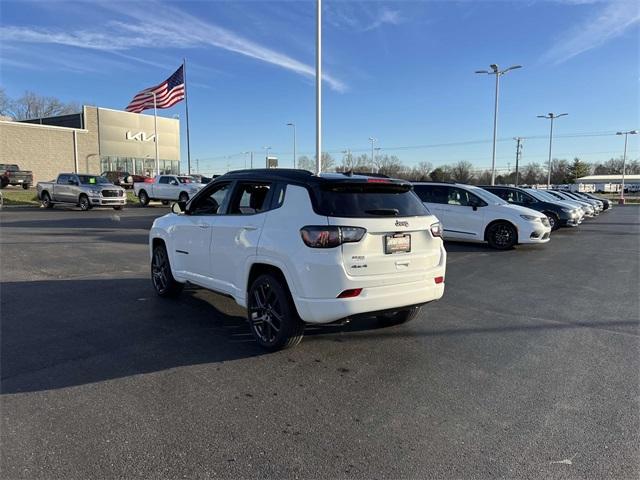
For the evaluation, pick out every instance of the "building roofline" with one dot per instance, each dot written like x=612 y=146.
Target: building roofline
x=38 y=125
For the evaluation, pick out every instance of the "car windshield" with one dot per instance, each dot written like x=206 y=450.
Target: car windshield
x=185 y=179
x=92 y=180
x=545 y=197
x=488 y=197
x=11 y=168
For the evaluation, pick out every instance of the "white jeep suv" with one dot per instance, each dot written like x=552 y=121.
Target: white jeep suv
x=473 y=214
x=293 y=247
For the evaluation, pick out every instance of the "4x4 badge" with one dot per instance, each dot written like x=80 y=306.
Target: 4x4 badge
x=404 y=223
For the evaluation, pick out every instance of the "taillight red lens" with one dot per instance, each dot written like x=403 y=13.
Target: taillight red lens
x=439 y=280
x=354 y=292
x=436 y=229
x=321 y=236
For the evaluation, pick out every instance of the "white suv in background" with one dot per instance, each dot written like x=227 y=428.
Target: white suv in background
x=472 y=214
x=293 y=247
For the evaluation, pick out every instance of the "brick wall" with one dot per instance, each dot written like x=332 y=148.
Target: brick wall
x=47 y=150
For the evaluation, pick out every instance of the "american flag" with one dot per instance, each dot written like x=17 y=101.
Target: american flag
x=168 y=93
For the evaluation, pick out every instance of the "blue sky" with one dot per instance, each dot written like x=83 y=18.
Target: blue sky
x=399 y=71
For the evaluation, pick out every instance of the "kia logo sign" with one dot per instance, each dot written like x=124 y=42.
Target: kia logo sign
x=403 y=223
x=140 y=136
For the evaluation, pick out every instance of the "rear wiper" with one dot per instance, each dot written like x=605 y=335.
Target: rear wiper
x=384 y=211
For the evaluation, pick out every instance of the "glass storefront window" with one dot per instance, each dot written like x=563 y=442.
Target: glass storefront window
x=140 y=166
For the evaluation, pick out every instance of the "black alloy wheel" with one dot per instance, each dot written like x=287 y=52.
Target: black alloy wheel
x=273 y=319
x=184 y=197
x=161 y=276
x=25 y=186
x=502 y=236
x=554 y=223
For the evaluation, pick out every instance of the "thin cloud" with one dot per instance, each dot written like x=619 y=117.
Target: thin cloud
x=609 y=22
x=170 y=27
x=360 y=17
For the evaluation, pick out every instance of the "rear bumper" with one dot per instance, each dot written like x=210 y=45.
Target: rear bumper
x=420 y=289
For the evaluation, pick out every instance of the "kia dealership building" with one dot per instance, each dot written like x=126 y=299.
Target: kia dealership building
x=93 y=141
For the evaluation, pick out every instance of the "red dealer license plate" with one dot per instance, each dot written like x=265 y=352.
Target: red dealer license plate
x=398 y=243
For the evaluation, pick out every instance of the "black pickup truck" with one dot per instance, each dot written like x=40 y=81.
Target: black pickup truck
x=10 y=174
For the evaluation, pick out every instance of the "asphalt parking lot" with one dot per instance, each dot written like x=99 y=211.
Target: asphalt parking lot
x=529 y=367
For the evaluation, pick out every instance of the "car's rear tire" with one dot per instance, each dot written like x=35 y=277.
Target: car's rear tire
x=46 y=200
x=25 y=186
x=183 y=197
x=398 y=317
x=554 y=221
x=143 y=198
x=163 y=281
x=4 y=183
x=84 y=203
x=272 y=316
x=502 y=236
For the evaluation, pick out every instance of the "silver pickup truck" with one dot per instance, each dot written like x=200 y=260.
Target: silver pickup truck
x=85 y=191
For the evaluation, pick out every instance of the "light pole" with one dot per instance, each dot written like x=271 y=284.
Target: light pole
x=551 y=116
x=624 y=161
x=291 y=124
x=495 y=70
x=318 y=86
x=250 y=156
x=518 y=153
x=372 y=140
x=266 y=156
x=347 y=152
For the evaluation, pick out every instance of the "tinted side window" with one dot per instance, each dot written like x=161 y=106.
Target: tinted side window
x=164 y=180
x=432 y=193
x=501 y=192
x=211 y=202
x=63 y=179
x=250 y=198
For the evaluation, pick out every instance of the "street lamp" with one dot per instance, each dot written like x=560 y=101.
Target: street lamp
x=551 y=116
x=495 y=70
x=291 y=124
x=250 y=156
x=372 y=140
x=624 y=160
x=266 y=156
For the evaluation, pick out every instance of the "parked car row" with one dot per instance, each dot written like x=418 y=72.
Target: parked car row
x=505 y=216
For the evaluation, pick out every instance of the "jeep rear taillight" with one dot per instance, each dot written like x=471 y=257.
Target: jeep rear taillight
x=321 y=236
x=353 y=292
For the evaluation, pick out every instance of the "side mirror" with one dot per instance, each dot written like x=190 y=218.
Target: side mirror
x=178 y=207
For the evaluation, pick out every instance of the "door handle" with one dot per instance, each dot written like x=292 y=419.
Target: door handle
x=249 y=227
x=203 y=225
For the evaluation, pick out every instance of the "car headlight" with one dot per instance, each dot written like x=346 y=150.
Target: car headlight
x=530 y=218
x=567 y=210
x=94 y=191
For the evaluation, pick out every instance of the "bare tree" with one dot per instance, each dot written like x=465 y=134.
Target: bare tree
x=462 y=172
x=309 y=164
x=31 y=105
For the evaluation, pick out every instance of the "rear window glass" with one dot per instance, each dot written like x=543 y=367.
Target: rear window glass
x=368 y=200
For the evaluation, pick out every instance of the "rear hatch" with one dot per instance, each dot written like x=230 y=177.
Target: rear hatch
x=398 y=238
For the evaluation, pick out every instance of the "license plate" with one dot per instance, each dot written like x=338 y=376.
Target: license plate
x=400 y=242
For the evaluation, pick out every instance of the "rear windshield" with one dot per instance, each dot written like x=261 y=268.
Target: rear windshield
x=368 y=200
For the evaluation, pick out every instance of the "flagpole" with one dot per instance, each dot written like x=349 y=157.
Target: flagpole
x=155 y=131
x=155 y=127
x=186 y=106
